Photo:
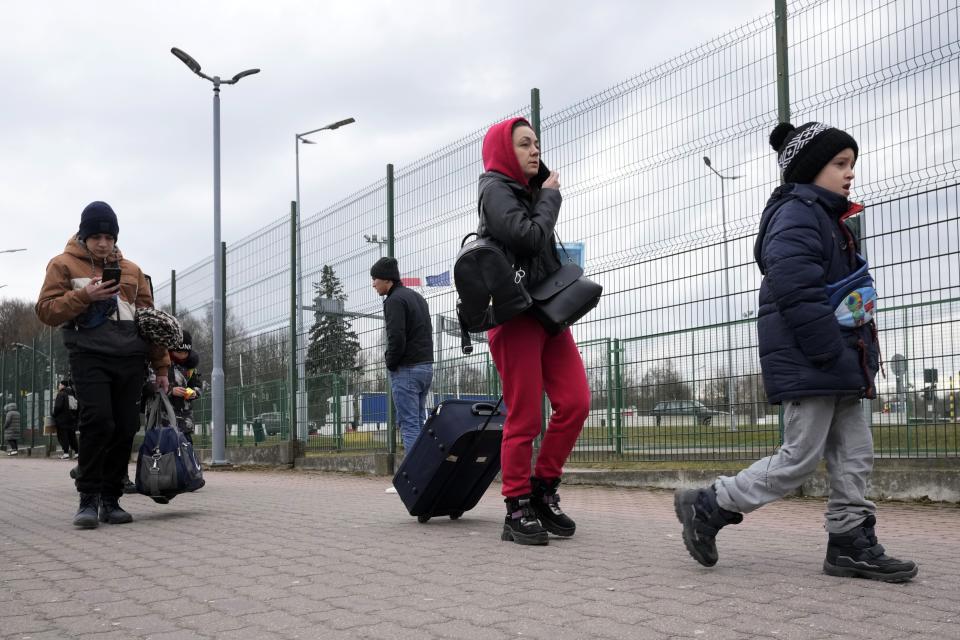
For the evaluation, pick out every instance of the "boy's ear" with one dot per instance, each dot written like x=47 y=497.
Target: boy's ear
x=542 y=174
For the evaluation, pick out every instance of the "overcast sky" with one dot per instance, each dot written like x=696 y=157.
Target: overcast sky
x=94 y=106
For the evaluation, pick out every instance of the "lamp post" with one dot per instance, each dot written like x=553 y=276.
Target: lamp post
x=378 y=240
x=11 y=250
x=298 y=139
x=726 y=288
x=217 y=395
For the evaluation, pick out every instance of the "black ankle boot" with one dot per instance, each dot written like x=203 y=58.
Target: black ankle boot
x=546 y=504
x=86 y=517
x=112 y=512
x=128 y=486
x=857 y=554
x=702 y=518
x=521 y=524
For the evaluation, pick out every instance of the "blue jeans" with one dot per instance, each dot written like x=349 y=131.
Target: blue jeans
x=410 y=386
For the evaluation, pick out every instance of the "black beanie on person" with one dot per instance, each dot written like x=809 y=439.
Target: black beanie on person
x=98 y=217
x=803 y=151
x=385 y=269
x=186 y=344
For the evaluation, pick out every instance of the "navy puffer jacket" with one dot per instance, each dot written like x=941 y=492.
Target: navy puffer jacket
x=802 y=245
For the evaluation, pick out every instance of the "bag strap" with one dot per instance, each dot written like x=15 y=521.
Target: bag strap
x=465 y=344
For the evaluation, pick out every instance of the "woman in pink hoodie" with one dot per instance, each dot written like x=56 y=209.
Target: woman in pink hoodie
x=519 y=206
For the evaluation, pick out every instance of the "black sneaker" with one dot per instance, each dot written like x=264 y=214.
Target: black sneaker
x=73 y=472
x=546 y=505
x=86 y=517
x=521 y=524
x=857 y=554
x=112 y=512
x=128 y=486
x=702 y=518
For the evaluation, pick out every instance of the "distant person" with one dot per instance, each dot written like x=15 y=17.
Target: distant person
x=65 y=412
x=409 y=354
x=819 y=356
x=11 y=428
x=108 y=358
x=519 y=207
x=185 y=385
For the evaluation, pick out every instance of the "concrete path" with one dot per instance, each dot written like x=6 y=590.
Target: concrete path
x=272 y=554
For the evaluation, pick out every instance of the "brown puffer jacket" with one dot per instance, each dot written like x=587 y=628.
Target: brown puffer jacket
x=63 y=302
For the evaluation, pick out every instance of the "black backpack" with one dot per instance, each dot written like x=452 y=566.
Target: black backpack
x=489 y=287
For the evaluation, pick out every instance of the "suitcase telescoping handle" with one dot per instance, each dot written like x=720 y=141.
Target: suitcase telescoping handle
x=485 y=408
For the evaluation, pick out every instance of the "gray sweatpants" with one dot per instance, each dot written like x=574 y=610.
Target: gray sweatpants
x=830 y=427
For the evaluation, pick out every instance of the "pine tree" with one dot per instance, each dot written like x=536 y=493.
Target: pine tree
x=333 y=348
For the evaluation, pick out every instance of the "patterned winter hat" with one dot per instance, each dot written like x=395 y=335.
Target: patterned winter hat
x=158 y=327
x=803 y=151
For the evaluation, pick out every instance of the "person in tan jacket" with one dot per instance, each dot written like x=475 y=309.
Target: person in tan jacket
x=108 y=358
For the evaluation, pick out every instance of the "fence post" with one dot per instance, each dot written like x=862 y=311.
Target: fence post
x=33 y=399
x=173 y=291
x=609 y=399
x=783 y=70
x=292 y=389
x=391 y=410
x=3 y=396
x=535 y=110
x=618 y=390
x=337 y=413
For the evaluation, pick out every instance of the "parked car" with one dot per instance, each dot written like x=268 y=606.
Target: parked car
x=694 y=408
x=270 y=421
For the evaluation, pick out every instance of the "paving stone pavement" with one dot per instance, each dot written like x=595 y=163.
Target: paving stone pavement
x=290 y=554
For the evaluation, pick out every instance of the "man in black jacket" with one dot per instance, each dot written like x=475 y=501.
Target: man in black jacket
x=409 y=354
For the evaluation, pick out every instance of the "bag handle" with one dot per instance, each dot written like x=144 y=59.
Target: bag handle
x=153 y=411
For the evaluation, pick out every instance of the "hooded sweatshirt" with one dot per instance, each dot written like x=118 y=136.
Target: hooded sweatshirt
x=517 y=212
x=803 y=245
x=104 y=327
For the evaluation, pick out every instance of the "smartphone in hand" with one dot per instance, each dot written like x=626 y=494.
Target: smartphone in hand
x=111 y=274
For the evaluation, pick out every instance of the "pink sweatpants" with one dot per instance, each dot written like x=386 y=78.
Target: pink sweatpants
x=530 y=361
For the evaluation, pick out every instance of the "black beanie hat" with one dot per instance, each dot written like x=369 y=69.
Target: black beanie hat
x=186 y=344
x=385 y=269
x=803 y=151
x=96 y=218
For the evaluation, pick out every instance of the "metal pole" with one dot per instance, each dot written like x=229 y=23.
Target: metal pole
x=217 y=396
x=783 y=73
x=298 y=263
x=726 y=296
x=173 y=291
x=294 y=313
x=53 y=374
x=33 y=393
x=535 y=110
x=391 y=410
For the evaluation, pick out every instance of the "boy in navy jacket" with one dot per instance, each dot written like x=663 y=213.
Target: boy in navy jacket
x=819 y=356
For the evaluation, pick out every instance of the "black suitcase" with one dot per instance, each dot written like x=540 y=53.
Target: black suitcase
x=453 y=461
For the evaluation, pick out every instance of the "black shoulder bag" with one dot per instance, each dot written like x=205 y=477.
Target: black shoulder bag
x=563 y=297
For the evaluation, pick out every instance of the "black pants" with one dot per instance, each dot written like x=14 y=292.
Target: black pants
x=67 y=437
x=12 y=444
x=108 y=390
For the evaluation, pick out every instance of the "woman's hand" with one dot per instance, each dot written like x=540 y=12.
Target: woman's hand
x=179 y=392
x=553 y=182
x=99 y=290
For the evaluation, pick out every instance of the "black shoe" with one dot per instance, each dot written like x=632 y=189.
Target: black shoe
x=857 y=554
x=128 y=486
x=521 y=524
x=160 y=499
x=112 y=512
x=73 y=472
x=702 y=518
x=546 y=504
x=86 y=517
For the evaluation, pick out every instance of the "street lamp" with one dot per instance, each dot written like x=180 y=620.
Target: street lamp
x=726 y=287
x=217 y=396
x=298 y=139
x=377 y=240
x=11 y=250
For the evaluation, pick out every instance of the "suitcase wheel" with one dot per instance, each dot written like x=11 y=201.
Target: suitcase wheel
x=456 y=515
x=423 y=519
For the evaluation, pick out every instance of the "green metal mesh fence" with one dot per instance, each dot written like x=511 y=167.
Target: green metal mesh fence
x=671 y=349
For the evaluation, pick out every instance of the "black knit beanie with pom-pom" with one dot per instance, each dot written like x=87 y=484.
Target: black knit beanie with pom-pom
x=803 y=151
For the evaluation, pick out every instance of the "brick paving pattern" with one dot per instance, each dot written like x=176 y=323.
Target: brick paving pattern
x=284 y=554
